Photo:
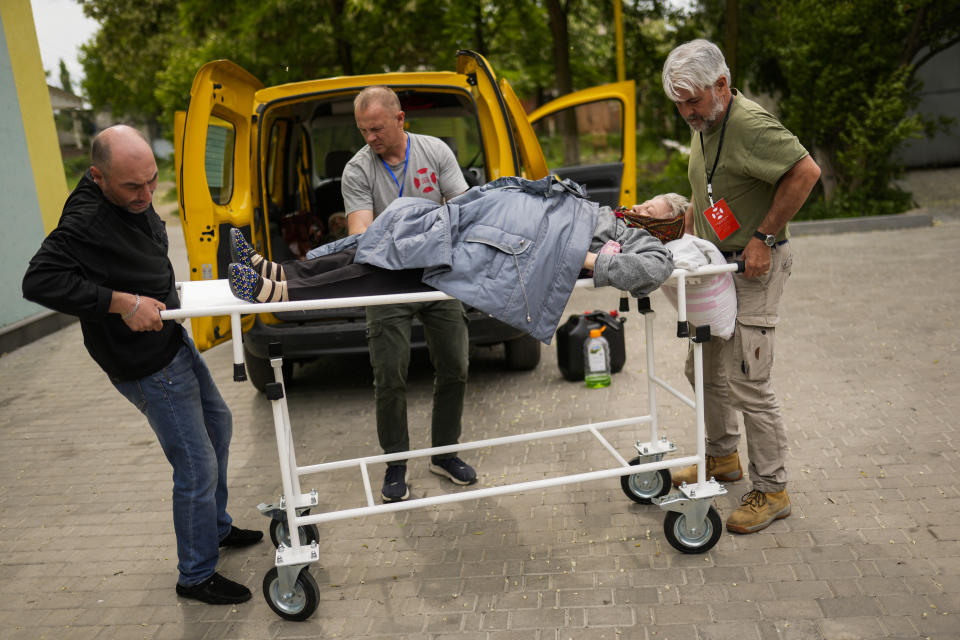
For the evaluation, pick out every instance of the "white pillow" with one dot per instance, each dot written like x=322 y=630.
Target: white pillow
x=711 y=300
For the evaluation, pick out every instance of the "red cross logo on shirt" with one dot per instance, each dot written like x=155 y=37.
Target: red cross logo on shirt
x=425 y=180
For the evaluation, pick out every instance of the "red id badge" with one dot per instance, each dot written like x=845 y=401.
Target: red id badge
x=721 y=219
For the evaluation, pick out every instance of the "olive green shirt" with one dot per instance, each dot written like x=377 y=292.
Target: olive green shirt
x=757 y=150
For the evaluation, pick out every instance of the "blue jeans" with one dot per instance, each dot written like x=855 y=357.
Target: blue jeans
x=194 y=426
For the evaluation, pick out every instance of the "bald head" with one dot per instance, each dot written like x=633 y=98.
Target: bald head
x=120 y=139
x=376 y=95
x=123 y=166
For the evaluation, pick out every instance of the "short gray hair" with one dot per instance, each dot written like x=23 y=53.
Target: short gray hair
x=693 y=66
x=678 y=203
x=377 y=94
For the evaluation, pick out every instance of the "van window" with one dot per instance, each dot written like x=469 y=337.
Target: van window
x=218 y=159
x=586 y=134
x=445 y=115
x=335 y=137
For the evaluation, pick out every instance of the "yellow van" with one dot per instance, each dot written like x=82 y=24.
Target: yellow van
x=267 y=160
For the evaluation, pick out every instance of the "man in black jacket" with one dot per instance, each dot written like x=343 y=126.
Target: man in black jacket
x=106 y=262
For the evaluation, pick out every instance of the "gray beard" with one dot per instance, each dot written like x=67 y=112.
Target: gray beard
x=706 y=123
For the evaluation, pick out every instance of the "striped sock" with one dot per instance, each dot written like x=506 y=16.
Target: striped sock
x=267 y=269
x=272 y=291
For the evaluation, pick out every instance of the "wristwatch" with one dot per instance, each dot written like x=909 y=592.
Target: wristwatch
x=767 y=239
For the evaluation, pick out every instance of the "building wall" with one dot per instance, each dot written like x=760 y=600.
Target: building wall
x=32 y=180
x=940 y=96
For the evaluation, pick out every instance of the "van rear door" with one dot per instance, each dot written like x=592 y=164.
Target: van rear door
x=531 y=155
x=500 y=144
x=215 y=178
x=589 y=136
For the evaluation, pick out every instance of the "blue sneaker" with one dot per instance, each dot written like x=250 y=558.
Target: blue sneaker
x=454 y=469
x=240 y=250
x=395 y=484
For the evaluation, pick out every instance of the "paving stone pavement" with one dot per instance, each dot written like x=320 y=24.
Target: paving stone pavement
x=868 y=371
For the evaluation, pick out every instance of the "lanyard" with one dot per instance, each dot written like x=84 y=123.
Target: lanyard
x=403 y=176
x=716 y=161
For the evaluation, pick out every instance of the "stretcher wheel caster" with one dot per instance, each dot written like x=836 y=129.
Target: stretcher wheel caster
x=698 y=539
x=279 y=534
x=642 y=488
x=297 y=605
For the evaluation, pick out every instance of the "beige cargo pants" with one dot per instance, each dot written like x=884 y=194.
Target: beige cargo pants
x=736 y=378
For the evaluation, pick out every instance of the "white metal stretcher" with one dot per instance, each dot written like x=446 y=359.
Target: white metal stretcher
x=691 y=525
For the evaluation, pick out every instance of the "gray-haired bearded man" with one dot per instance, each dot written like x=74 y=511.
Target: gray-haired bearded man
x=749 y=177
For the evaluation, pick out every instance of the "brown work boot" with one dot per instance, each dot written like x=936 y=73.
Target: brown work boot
x=724 y=469
x=757 y=510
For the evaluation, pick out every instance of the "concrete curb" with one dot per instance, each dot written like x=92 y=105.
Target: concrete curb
x=910 y=219
x=33 y=328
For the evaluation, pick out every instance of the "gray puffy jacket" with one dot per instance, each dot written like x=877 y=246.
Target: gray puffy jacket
x=511 y=248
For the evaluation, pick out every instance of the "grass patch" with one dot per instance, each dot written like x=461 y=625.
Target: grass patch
x=74 y=168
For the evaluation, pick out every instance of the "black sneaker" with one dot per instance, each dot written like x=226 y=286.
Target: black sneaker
x=215 y=590
x=395 y=484
x=454 y=469
x=241 y=537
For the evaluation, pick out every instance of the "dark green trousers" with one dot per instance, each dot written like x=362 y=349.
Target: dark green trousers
x=388 y=335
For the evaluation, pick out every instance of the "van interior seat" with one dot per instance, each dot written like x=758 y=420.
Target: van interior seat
x=329 y=198
x=334 y=162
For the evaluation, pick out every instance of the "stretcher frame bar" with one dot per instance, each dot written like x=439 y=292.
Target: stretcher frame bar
x=241 y=307
x=472 y=494
x=470 y=446
x=477 y=494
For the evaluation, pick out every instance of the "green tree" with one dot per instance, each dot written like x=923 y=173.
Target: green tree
x=273 y=41
x=122 y=61
x=65 y=83
x=652 y=30
x=845 y=76
x=142 y=62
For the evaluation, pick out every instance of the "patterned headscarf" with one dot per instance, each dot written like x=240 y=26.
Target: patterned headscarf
x=664 y=230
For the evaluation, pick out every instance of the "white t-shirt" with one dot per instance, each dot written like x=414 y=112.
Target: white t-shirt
x=431 y=172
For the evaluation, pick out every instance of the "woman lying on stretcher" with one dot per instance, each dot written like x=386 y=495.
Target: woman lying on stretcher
x=513 y=249
x=255 y=279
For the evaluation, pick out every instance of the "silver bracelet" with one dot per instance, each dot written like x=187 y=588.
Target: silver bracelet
x=132 y=311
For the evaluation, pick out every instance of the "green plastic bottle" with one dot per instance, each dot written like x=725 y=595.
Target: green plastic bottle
x=596 y=360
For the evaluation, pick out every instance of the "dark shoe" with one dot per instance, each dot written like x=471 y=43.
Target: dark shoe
x=215 y=590
x=454 y=469
x=240 y=249
x=395 y=484
x=241 y=537
x=244 y=282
